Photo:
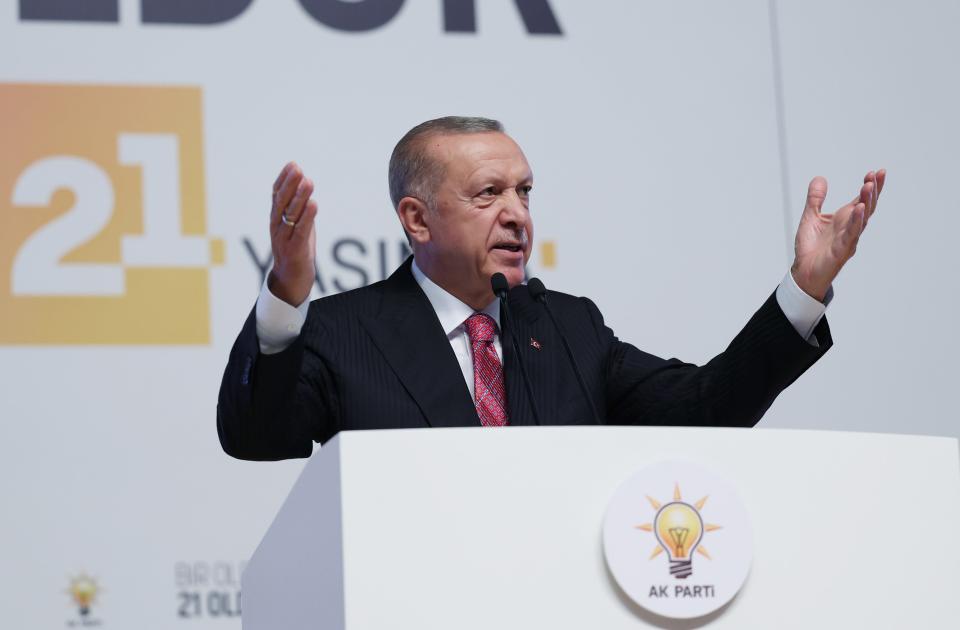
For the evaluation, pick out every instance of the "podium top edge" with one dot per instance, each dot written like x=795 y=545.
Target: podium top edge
x=659 y=431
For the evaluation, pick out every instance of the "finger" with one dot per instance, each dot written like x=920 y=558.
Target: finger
x=867 y=198
x=274 y=215
x=304 y=190
x=881 y=179
x=288 y=189
x=871 y=177
x=304 y=227
x=282 y=176
x=851 y=231
x=859 y=223
x=842 y=214
x=816 y=193
x=866 y=195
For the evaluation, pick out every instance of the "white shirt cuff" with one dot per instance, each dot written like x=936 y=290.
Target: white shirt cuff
x=278 y=323
x=803 y=311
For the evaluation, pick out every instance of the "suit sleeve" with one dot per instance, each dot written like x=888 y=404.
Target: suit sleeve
x=274 y=406
x=733 y=389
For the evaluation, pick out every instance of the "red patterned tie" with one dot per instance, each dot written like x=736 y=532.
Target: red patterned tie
x=489 y=395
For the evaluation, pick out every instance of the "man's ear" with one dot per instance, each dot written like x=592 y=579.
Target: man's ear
x=413 y=217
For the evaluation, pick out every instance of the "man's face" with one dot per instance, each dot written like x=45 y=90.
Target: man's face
x=480 y=220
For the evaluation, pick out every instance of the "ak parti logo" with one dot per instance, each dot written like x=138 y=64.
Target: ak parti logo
x=679 y=578
x=103 y=221
x=679 y=529
x=84 y=592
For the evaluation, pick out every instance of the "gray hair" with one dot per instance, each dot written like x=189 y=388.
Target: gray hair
x=413 y=173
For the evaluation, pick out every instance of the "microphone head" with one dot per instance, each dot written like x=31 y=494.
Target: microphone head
x=498 y=282
x=537 y=290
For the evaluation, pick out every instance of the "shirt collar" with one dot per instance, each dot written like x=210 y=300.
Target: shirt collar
x=450 y=311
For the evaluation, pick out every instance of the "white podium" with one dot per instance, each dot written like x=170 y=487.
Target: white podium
x=501 y=528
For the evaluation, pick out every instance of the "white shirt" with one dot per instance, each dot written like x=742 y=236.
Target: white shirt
x=278 y=323
x=453 y=314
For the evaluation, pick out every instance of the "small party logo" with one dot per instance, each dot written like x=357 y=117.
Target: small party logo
x=680 y=587
x=83 y=590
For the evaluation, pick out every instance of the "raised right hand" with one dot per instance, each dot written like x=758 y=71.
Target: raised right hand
x=825 y=242
x=294 y=246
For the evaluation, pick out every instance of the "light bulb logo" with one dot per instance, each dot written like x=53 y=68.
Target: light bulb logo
x=679 y=528
x=83 y=590
x=665 y=567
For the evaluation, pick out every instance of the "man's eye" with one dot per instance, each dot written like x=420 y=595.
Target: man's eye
x=525 y=191
x=489 y=190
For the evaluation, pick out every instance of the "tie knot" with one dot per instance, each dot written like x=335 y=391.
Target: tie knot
x=481 y=328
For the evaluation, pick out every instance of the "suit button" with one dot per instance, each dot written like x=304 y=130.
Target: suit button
x=245 y=374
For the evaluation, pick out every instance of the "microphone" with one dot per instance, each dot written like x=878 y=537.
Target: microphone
x=539 y=293
x=498 y=282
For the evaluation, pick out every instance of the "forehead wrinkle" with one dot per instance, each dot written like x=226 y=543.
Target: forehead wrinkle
x=484 y=173
x=476 y=146
x=500 y=167
x=463 y=162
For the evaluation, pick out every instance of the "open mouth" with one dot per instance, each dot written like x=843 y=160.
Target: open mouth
x=510 y=247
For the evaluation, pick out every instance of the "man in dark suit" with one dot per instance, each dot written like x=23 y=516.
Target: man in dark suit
x=423 y=348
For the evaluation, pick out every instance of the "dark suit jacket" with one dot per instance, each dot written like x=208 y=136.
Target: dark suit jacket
x=377 y=358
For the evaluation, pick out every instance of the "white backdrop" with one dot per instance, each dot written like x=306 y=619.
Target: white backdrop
x=671 y=142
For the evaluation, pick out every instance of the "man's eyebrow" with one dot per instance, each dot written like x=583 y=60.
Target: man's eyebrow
x=483 y=176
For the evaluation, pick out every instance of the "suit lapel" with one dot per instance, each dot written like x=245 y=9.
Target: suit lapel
x=540 y=362
x=412 y=341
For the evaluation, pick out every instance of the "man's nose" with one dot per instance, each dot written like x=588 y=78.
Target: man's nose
x=514 y=212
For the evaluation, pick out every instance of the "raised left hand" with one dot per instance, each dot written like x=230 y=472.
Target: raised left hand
x=825 y=242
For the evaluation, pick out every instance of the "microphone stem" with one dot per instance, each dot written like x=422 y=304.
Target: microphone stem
x=573 y=361
x=516 y=352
